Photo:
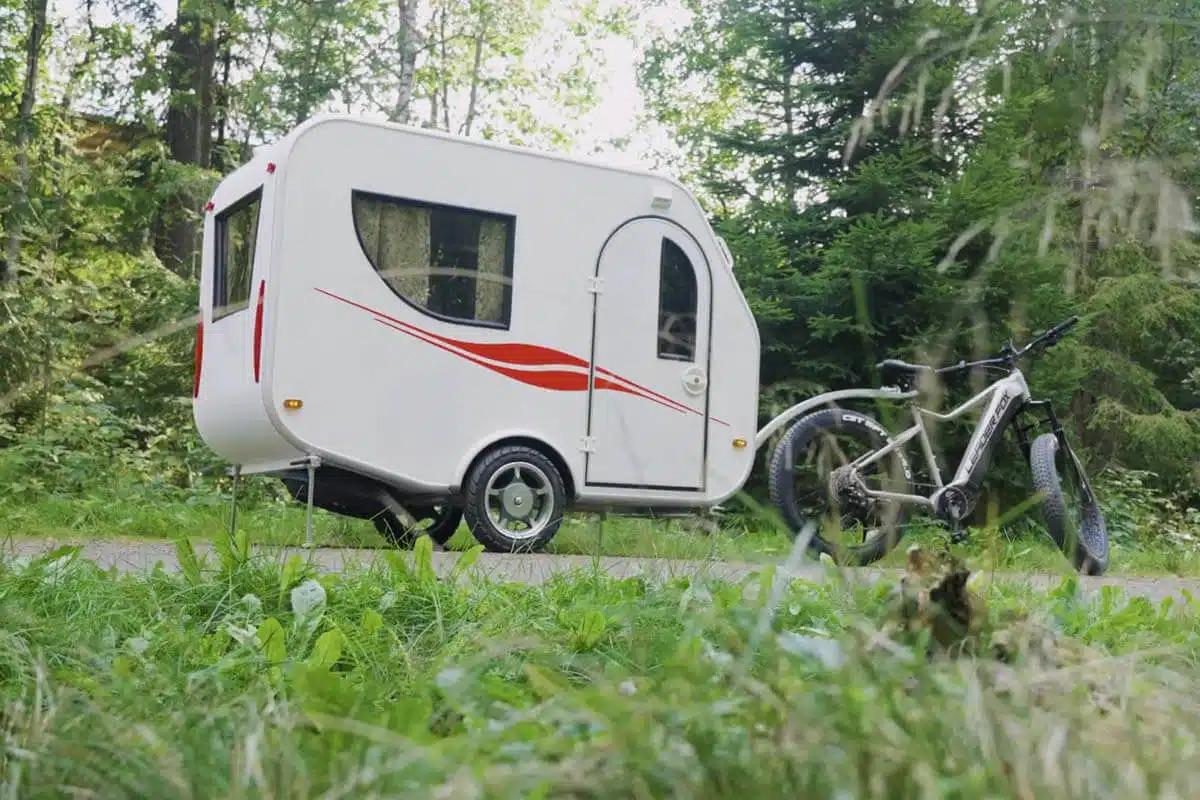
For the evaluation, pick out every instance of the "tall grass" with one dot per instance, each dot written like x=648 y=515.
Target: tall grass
x=249 y=681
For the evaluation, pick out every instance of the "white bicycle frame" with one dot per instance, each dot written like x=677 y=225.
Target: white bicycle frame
x=1006 y=396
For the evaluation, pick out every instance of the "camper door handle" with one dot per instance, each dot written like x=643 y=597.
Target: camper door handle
x=694 y=380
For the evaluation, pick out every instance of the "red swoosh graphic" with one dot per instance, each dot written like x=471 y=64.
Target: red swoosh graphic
x=526 y=355
x=513 y=353
x=557 y=379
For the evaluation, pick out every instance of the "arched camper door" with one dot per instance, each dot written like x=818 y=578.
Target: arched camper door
x=648 y=399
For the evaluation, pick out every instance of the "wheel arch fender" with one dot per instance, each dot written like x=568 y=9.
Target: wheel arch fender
x=866 y=420
x=517 y=437
x=821 y=401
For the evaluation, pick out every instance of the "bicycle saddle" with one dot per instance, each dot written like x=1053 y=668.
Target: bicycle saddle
x=893 y=370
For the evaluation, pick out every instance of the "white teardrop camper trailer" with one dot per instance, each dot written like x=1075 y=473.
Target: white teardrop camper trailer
x=454 y=327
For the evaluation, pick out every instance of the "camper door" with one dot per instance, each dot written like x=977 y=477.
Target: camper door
x=648 y=404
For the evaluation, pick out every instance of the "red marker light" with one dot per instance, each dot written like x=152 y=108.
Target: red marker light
x=258 y=323
x=270 y=167
x=208 y=206
x=199 y=359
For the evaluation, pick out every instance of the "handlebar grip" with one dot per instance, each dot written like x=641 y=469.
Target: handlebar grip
x=1063 y=327
x=951 y=368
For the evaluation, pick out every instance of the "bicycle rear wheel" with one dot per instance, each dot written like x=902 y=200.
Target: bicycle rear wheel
x=811 y=484
x=1069 y=504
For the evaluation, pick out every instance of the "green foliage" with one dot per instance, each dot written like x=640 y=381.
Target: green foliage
x=156 y=685
x=1133 y=511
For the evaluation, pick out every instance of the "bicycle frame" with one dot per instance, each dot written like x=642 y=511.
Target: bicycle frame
x=1007 y=396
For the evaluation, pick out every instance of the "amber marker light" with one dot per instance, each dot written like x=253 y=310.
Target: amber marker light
x=739 y=444
x=293 y=404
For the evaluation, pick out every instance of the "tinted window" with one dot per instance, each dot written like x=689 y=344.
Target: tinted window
x=236 y=233
x=454 y=263
x=676 y=304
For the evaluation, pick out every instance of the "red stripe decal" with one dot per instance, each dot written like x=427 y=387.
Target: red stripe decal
x=514 y=353
x=557 y=379
x=651 y=392
x=526 y=355
x=199 y=357
x=258 y=322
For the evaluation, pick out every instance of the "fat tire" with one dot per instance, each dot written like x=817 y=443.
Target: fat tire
x=1088 y=547
x=475 y=509
x=782 y=486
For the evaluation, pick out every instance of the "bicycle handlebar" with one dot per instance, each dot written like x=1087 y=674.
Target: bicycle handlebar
x=1009 y=355
x=1051 y=337
x=1054 y=334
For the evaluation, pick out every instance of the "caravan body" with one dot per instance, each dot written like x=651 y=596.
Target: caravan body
x=399 y=303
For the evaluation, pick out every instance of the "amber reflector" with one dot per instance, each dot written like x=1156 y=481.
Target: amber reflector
x=292 y=404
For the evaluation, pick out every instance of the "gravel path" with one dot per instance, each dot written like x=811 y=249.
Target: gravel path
x=140 y=555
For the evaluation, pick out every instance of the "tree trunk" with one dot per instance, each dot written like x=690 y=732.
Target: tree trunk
x=222 y=100
x=476 y=77
x=36 y=11
x=190 y=66
x=789 y=124
x=81 y=67
x=444 y=73
x=308 y=98
x=408 y=40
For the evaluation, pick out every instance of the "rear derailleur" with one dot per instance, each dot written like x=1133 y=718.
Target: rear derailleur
x=849 y=494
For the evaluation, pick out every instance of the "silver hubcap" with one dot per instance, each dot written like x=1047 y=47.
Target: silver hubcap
x=520 y=502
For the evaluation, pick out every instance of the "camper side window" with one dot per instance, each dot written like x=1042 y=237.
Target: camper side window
x=453 y=263
x=676 y=304
x=236 y=232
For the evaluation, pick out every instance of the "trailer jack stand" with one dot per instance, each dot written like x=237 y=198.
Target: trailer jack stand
x=237 y=477
x=601 y=518
x=312 y=462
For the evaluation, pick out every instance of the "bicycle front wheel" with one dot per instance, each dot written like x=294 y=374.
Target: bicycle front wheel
x=1069 y=506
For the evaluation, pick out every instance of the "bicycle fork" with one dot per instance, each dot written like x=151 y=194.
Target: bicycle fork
x=1021 y=429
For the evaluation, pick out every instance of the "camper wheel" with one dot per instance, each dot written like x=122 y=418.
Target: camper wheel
x=514 y=500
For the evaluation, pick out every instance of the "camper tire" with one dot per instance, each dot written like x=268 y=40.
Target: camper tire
x=514 y=500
